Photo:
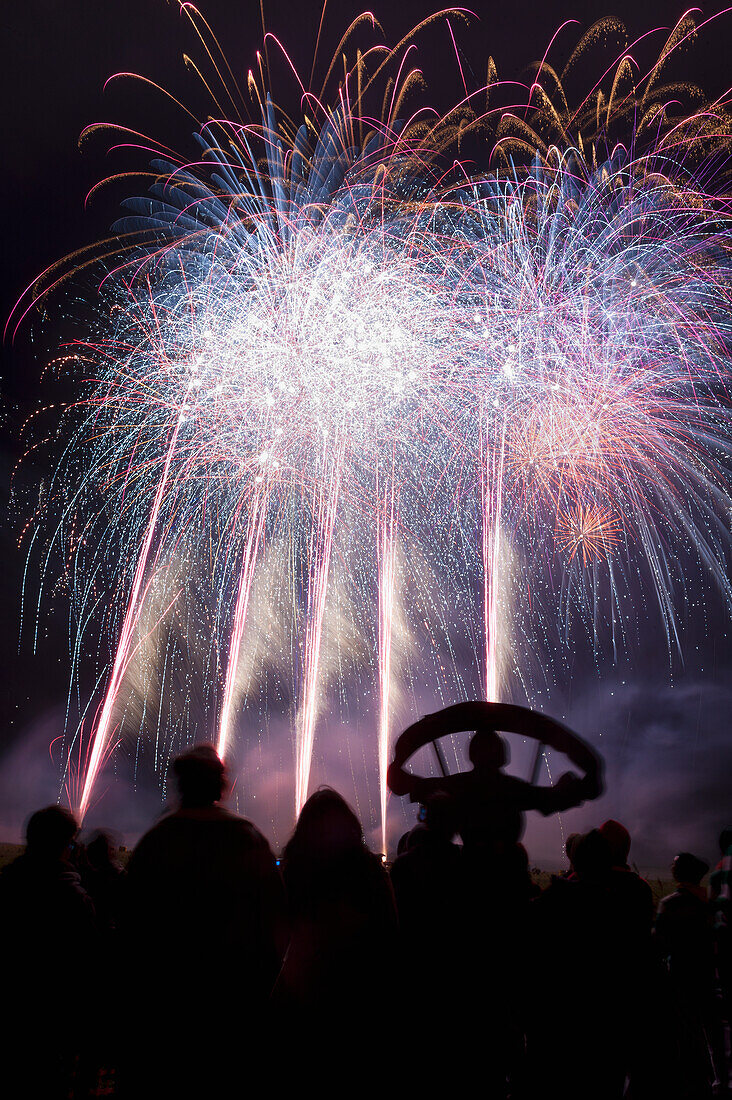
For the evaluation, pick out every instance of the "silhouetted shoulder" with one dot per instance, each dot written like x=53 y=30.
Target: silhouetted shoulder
x=201 y=844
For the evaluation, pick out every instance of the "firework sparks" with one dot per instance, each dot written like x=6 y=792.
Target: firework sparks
x=386 y=552
x=532 y=362
x=589 y=531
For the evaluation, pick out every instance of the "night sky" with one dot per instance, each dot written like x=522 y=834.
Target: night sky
x=664 y=724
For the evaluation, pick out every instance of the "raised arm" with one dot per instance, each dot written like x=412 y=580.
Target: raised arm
x=569 y=791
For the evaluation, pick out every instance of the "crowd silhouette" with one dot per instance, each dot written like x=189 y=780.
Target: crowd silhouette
x=207 y=968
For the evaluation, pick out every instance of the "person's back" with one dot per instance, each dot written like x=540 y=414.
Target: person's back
x=206 y=872
x=335 y=979
x=103 y=878
x=490 y=807
x=42 y=901
x=720 y=889
x=631 y=895
x=428 y=879
x=683 y=928
x=578 y=983
x=684 y=939
x=204 y=913
x=48 y=930
x=342 y=913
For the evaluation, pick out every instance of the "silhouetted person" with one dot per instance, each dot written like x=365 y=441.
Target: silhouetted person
x=335 y=978
x=489 y=805
x=47 y=930
x=488 y=809
x=102 y=876
x=633 y=895
x=578 y=985
x=569 y=847
x=648 y=1012
x=685 y=940
x=204 y=927
x=683 y=930
x=429 y=887
x=720 y=891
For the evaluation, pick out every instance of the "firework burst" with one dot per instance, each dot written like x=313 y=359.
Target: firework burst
x=589 y=531
x=313 y=338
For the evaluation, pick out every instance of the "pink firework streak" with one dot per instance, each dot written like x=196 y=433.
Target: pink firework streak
x=325 y=502
x=124 y=646
x=254 y=538
x=386 y=551
x=492 y=495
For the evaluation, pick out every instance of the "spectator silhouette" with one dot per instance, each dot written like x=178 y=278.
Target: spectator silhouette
x=488 y=805
x=488 y=808
x=683 y=930
x=41 y=889
x=684 y=938
x=340 y=959
x=47 y=928
x=649 y=1015
x=102 y=876
x=204 y=928
x=578 y=984
x=429 y=887
x=569 y=847
x=632 y=896
x=720 y=889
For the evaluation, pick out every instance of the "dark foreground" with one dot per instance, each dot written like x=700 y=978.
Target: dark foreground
x=206 y=968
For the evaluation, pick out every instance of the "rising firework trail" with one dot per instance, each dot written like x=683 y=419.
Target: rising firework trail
x=325 y=509
x=386 y=560
x=255 y=522
x=491 y=468
x=103 y=729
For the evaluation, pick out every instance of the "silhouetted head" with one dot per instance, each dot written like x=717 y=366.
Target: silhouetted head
x=725 y=839
x=688 y=868
x=592 y=856
x=570 y=846
x=418 y=837
x=201 y=776
x=487 y=751
x=327 y=826
x=50 y=832
x=618 y=839
x=101 y=850
x=403 y=842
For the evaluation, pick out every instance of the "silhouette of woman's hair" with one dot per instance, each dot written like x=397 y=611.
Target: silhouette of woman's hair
x=326 y=826
x=100 y=849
